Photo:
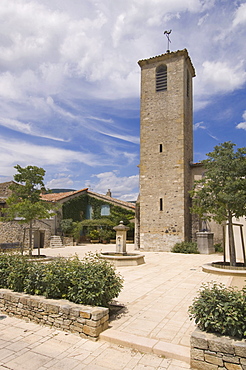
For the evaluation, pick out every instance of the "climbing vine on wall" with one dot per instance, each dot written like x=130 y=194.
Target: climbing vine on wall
x=76 y=210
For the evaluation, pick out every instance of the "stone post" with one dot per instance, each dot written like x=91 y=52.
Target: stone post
x=121 y=230
x=205 y=242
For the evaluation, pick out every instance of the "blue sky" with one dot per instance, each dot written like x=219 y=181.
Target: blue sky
x=70 y=83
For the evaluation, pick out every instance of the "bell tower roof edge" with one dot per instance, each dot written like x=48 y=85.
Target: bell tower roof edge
x=169 y=56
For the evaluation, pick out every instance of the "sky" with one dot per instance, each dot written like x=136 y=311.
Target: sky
x=70 y=83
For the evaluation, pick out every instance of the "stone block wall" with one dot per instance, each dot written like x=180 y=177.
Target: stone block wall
x=166 y=152
x=13 y=231
x=67 y=240
x=87 y=321
x=214 y=352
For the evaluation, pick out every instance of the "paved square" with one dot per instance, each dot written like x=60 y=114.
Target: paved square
x=156 y=297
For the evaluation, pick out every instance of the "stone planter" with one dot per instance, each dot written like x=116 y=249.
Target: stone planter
x=214 y=352
x=86 y=321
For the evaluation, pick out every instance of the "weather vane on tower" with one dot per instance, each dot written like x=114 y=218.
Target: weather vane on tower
x=167 y=33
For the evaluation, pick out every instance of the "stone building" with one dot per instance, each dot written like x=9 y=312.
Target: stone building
x=15 y=232
x=77 y=205
x=81 y=205
x=166 y=151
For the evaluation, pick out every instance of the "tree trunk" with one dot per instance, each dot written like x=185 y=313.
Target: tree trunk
x=232 y=250
x=30 y=238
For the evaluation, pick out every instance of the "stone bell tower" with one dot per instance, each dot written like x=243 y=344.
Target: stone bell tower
x=166 y=150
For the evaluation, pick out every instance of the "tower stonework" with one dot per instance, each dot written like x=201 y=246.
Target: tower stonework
x=166 y=150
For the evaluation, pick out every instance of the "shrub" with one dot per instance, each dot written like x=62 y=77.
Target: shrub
x=91 y=281
x=67 y=226
x=96 y=282
x=18 y=271
x=221 y=310
x=218 y=248
x=106 y=235
x=34 y=281
x=94 y=235
x=56 y=280
x=185 y=247
x=5 y=268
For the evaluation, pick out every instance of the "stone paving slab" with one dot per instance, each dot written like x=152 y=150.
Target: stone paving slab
x=156 y=297
x=148 y=345
x=38 y=349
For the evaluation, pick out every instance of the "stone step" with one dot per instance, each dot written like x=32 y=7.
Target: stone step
x=55 y=241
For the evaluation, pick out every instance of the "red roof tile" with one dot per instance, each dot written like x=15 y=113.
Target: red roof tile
x=55 y=197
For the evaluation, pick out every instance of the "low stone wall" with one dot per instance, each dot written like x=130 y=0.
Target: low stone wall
x=67 y=240
x=214 y=352
x=87 y=321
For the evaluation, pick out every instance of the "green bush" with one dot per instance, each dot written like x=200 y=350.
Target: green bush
x=221 y=310
x=218 y=248
x=185 y=247
x=91 y=281
x=96 y=282
x=56 y=279
x=5 y=265
x=67 y=226
x=18 y=271
x=94 y=235
x=34 y=281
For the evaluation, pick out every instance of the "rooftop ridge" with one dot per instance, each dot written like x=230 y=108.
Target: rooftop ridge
x=115 y=200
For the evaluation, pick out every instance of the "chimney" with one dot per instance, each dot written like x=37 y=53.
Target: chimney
x=109 y=194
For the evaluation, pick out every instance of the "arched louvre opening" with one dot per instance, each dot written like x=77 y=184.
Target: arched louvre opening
x=161 y=78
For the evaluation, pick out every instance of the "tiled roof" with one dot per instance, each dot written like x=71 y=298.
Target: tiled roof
x=55 y=197
x=112 y=200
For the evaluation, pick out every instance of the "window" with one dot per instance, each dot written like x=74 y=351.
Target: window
x=105 y=210
x=89 y=212
x=160 y=148
x=161 y=204
x=161 y=78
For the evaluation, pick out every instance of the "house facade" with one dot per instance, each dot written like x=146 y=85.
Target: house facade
x=76 y=205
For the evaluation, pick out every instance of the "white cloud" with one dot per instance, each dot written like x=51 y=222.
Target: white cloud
x=221 y=77
x=240 y=15
x=52 y=44
x=199 y=125
x=120 y=187
x=242 y=124
x=68 y=72
x=60 y=182
x=15 y=125
x=26 y=128
x=131 y=139
x=21 y=152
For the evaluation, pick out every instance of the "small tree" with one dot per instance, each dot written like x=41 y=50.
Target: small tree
x=67 y=226
x=221 y=193
x=25 y=201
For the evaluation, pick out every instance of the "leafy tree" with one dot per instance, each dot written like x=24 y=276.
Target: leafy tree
x=221 y=193
x=25 y=201
x=67 y=226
